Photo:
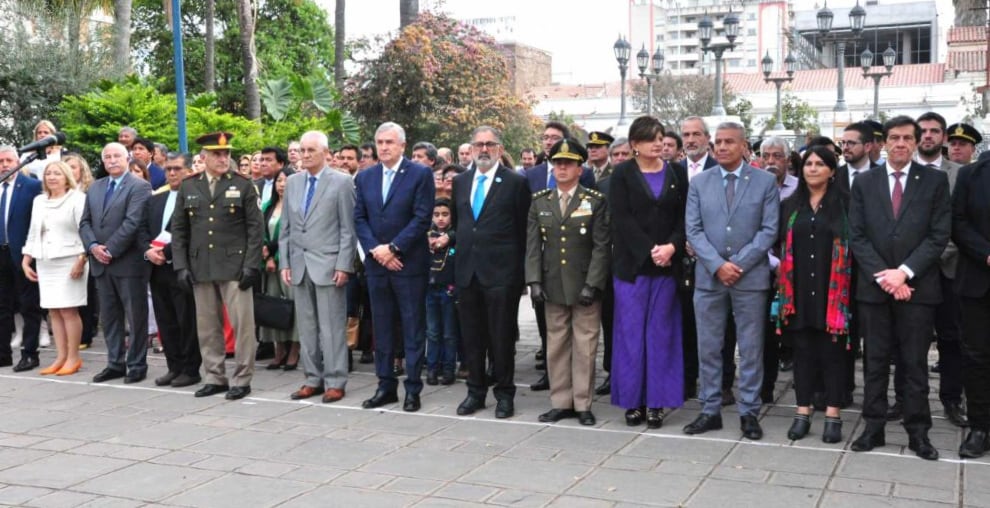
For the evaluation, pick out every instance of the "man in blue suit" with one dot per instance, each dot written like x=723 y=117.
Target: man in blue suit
x=392 y=212
x=17 y=195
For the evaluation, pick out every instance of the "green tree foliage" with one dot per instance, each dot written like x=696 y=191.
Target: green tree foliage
x=678 y=97
x=439 y=80
x=798 y=115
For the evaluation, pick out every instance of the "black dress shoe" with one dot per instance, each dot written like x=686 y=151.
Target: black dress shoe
x=541 y=385
x=238 y=392
x=586 y=418
x=166 y=379
x=833 y=430
x=654 y=418
x=606 y=387
x=447 y=378
x=504 y=408
x=635 y=416
x=922 y=447
x=411 y=404
x=431 y=378
x=367 y=357
x=556 y=415
x=895 y=412
x=185 y=380
x=728 y=398
x=6 y=361
x=956 y=415
x=868 y=440
x=703 y=423
x=470 y=405
x=26 y=363
x=379 y=399
x=799 y=427
x=976 y=444
x=134 y=377
x=208 y=390
x=107 y=374
x=750 y=427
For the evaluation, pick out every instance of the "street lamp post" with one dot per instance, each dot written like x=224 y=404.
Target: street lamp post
x=642 y=60
x=622 y=49
x=790 y=63
x=857 y=18
x=705 y=29
x=866 y=60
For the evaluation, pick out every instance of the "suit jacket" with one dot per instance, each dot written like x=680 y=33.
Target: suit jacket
x=19 y=213
x=321 y=241
x=60 y=220
x=916 y=238
x=842 y=176
x=156 y=175
x=164 y=274
x=493 y=247
x=118 y=225
x=640 y=220
x=710 y=162
x=971 y=229
x=949 y=260
x=742 y=234
x=403 y=218
x=537 y=177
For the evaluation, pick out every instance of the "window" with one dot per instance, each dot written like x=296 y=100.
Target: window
x=751 y=62
x=751 y=16
x=751 y=32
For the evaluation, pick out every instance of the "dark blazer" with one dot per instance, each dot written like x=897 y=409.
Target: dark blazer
x=117 y=226
x=640 y=221
x=156 y=175
x=19 y=213
x=403 y=218
x=916 y=238
x=163 y=274
x=537 y=177
x=493 y=248
x=971 y=229
x=842 y=176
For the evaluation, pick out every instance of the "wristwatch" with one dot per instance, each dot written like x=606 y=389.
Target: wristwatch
x=394 y=249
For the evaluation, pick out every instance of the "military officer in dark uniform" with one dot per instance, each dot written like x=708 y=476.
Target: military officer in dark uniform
x=963 y=139
x=567 y=251
x=597 y=160
x=216 y=246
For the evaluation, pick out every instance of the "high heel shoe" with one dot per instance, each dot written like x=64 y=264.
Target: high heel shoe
x=833 y=430
x=278 y=364
x=799 y=428
x=654 y=417
x=51 y=369
x=68 y=370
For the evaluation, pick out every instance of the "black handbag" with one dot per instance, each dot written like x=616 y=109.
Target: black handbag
x=273 y=311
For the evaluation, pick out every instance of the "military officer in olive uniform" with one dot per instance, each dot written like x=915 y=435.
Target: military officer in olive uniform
x=567 y=250
x=216 y=246
x=597 y=160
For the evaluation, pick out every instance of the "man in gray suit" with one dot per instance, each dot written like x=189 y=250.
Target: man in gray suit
x=731 y=222
x=114 y=215
x=317 y=245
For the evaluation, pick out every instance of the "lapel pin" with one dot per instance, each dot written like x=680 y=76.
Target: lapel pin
x=498 y=179
x=916 y=177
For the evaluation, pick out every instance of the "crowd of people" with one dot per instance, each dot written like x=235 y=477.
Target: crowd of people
x=728 y=261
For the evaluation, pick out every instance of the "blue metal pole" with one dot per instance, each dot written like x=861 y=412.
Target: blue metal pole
x=180 y=75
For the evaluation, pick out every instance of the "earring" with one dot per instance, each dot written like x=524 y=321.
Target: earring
x=635 y=153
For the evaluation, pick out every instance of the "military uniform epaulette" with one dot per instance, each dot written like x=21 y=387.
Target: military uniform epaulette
x=542 y=193
x=593 y=193
x=194 y=175
x=161 y=190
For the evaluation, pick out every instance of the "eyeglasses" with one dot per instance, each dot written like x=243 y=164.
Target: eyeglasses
x=552 y=137
x=485 y=144
x=174 y=168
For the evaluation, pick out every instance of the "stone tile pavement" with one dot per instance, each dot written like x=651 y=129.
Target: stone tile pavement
x=67 y=442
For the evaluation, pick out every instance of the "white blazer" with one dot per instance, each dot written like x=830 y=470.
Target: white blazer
x=54 y=231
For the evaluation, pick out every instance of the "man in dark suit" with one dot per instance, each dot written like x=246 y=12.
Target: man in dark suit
x=175 y=309
x=144 y=150
x=273 y=159
x=897 y=243
x=17 y=294
x=111 y=228
x=392 y=212
x=491 y=203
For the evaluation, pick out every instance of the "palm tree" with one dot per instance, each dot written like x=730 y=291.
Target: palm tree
x=338 y=45
x=246 y=12
x=122 y=36
x=210 y=51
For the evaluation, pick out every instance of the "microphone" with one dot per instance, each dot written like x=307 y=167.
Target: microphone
x=55 y=139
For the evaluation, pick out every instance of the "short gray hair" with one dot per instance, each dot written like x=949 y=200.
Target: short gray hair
x=321 y=138
x=129 y=129
x=8 y=148
x=778 y=142
x=617 y=143
x=704 y=125
x=487 y=128
x=733 y=126
x=392 y=126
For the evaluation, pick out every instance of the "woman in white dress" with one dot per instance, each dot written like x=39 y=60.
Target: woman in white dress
x=53 y=243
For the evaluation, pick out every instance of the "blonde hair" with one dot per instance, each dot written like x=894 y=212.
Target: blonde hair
x=85 y=174
x=70 y=182
x=44 y=123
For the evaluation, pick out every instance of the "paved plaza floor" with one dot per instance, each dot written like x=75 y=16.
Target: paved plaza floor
x=68 y=442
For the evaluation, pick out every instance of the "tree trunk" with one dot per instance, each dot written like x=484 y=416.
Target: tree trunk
x=211 y=65
x=338 y=45
x=252 y=98
x=408 y=11
x=122 y=36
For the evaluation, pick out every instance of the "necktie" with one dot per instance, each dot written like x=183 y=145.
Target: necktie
x=730 y=188
x=309 y=194
x=852 y=178
x=109 y=196
x=213 y=184
x=895 y=197
x=479 y=196
x=3 y=215
x=565 y=198
x=387 y=183
x=694 y=167
x=552 y=182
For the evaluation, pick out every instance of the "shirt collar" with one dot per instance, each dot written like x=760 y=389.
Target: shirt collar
x=937 y=163
x=736 y=172
x=905 y=171
x=395 y=168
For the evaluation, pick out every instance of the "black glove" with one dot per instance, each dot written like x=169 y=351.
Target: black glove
x=185 y=279
x=249 y=277
x=588 y=296
x=536 y=293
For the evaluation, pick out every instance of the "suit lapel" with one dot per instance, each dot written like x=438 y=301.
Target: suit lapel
x=496 y=184
x=742 y=182
x=918 y=177
x=321 y=187
x=116 y=192
x=396 y=180
x=882 y=184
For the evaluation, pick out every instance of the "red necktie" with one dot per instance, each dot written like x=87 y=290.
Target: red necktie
x=895 y=197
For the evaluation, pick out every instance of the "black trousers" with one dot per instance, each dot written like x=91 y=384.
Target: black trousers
x=608 y=318
x=175 y=313
x=689 y=336
x=817 y=356
x=907 y=328
x=950 y=354
x=17 y=294
x=90 y=313
x=976 y=359
x=489 y=327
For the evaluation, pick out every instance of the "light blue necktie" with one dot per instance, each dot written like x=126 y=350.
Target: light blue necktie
x=309 y=194
x=479 y=196
x=552 y=183
x=387 y=183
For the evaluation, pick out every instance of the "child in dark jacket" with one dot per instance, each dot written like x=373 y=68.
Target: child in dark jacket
x=441 y=318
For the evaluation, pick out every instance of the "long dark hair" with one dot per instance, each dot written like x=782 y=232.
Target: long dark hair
x=834 y=202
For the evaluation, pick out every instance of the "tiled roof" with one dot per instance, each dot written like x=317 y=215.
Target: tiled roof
x=967 y=34
x=965 y=61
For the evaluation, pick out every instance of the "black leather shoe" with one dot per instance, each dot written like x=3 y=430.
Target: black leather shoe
x=166 y=379
x=185 y=380
x=976 y=444
x=107 y=374
x=504 y=408
x=922 y=447
x=431 y=378
x=541 y=385
x=208 y=390
x=447 y=378
x=833 y=430
x=895 y=412
x=635 y=416
x=728 y=398
x=606 y=387
x=750 y=427
x=379 y=399
x=134 y=377
x=654 y=418
x=26 y=363
x=238 y=392
x=704 y=423
x=556 y=415
x=868 y=440
x=956 y=415
x=470 y=405
x=411 y=404
x=586 y=418
x=799 y=427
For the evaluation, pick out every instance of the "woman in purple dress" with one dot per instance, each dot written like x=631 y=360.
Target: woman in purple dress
x=647 y=198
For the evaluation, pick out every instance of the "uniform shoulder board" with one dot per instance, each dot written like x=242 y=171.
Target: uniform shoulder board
x=161 y=190
x=594 y=193
x=542 y=193
x=192 y=176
